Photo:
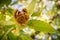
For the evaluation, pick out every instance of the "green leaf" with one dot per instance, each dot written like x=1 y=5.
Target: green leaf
x=58 y=37
x=11 y=36
x=9 y=11
x=37 y=13
x=1 y=33
x=7 y=27
x=31 y=6
x=58 y=22
x=58 y=30
x=39 y=25
x=2 y=2
x=2 y=17
x=19 y=38
x=24 y=37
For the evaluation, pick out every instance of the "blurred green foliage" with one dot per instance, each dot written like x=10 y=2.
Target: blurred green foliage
x=6 y=27
x=4 y=2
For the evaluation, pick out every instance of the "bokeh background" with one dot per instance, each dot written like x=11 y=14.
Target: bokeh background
x=43 y=22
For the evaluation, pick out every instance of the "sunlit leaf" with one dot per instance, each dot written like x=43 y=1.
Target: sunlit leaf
x=37 y=13
x=40 y=26
x=25 y=37
x=31 y=6
x=2 y=17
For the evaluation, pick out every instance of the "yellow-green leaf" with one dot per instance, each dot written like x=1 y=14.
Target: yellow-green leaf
x=31 y=6
x=41 y=26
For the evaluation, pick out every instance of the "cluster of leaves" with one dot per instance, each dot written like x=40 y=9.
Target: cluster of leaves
x=4 y=2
